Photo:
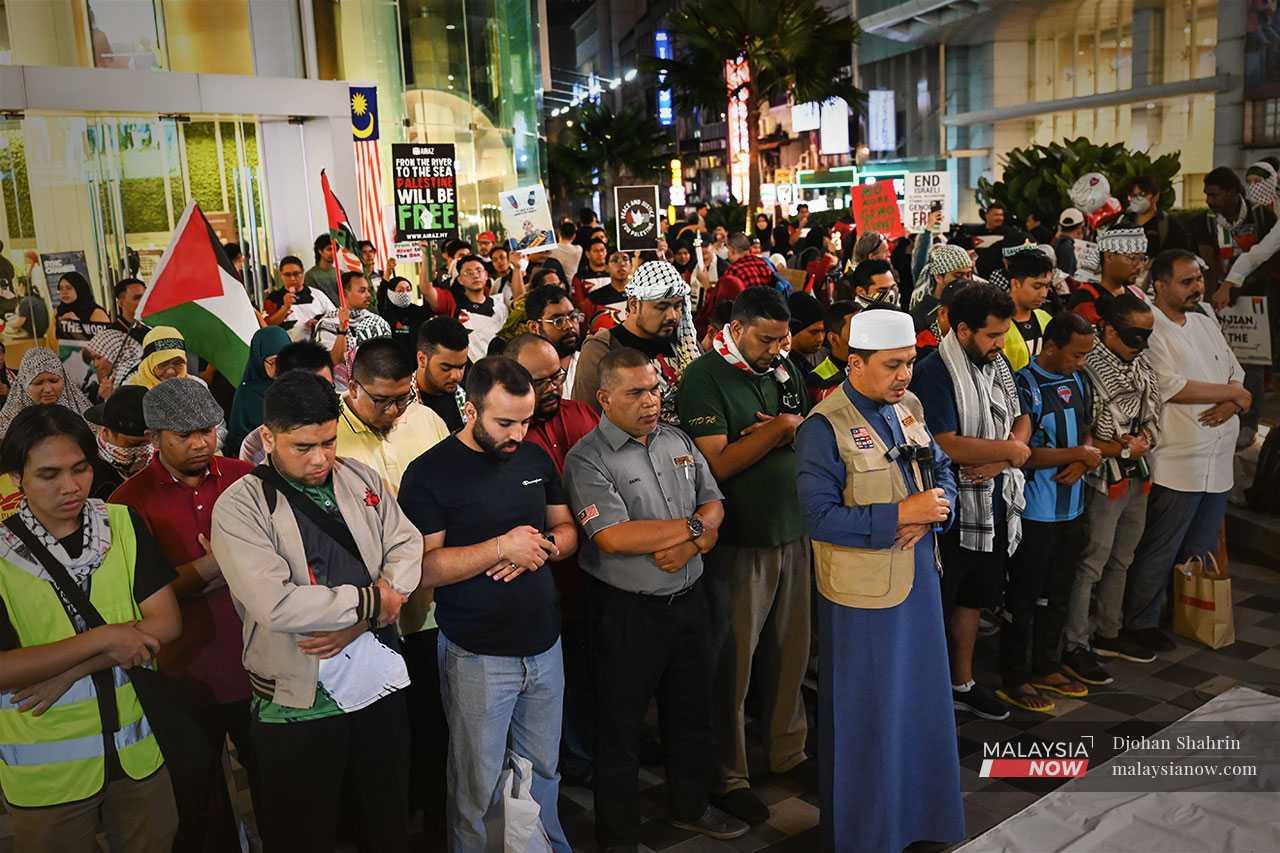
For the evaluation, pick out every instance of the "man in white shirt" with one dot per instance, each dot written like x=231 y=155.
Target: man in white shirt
x=1202 y=385
x=567 y=253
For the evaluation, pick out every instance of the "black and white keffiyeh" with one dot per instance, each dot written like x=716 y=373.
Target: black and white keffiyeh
x=95 y=530
x=1125 y=393
x=987 y=400
x=656 y=280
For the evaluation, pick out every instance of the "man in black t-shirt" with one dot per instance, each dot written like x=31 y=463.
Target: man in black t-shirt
x=492 y=513
x=442 y=365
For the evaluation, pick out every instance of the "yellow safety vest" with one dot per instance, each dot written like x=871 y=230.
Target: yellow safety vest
x=59 y=757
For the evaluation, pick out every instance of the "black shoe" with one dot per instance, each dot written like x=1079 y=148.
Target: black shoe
x=1126 y=647
x=714 y=824
x=743 y=804
x=1083 y=664
x=1154 y=639
x=980 y=701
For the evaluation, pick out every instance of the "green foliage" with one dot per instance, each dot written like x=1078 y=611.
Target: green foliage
x=203 y=165
x=1038 y=179
x=143 y=203
x=14 y=186
x=731 y=214
x=628 y=143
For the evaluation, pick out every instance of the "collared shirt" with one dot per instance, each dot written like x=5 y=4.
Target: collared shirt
x=560 y=433
x=414 y=432
x=1192 y=457
x=210 y=648
x=613 y=478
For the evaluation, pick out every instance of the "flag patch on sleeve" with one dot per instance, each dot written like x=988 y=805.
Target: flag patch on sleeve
x=862 y=438
x=588 y=512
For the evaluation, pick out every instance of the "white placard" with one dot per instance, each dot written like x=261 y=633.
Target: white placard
x=408 y=253
x=1247 y=330
x=882 y=120
x=921 y=191
x=526 y=218
x=834 y=135
x=806 y=116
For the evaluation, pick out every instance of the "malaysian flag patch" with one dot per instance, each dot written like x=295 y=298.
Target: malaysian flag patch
x=588 y=512
x=862 y=438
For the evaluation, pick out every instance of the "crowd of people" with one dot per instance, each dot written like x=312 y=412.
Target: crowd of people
x=469 y=528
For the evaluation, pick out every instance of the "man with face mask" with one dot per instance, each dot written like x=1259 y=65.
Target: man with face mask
x=498 y=503
x=873 y=284
x=1143 y=211
x=549 y=314
x=659 y=323
x=971 y=407
x=742 y=402
x=1123 y=254
x=124 y=448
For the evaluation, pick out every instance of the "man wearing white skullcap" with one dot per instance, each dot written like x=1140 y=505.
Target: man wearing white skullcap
x=874 y=487
x=659 y=323
x=1124 y=251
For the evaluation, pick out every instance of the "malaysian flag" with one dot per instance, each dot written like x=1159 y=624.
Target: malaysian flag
x=364 y=133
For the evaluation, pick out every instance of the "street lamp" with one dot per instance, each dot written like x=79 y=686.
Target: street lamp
x=630 y=75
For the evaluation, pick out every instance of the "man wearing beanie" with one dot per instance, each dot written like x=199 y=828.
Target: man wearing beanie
x=174 y=494
x=874 y=488
x=806 y=330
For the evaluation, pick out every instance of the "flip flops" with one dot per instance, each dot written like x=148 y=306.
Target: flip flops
x=1067 y=687
x=1025 y=697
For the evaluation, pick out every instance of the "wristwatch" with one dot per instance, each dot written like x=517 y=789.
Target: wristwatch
x=695 y=527
x=1125 y=452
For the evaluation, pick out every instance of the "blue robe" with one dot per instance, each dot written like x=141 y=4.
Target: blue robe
x=888 y=763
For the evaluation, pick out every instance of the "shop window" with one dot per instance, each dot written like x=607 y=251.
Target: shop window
x=1265 y=126
x=124 y=34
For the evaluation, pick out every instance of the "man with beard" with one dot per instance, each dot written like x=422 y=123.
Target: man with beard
x=1124 y=251
x=124 y=448
x=442 y=364
x=175 y=495
x=549 y=313
x=1202 y=385
x=971 y=407
x=659 y=323
x=647 y=500
x=497 y=502
x=741 y=403
x=558 y=425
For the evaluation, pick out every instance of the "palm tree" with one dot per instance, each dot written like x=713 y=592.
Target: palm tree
x=603 y=147
x=792 y=48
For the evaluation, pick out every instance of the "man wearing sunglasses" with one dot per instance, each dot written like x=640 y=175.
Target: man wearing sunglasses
x=549 y=314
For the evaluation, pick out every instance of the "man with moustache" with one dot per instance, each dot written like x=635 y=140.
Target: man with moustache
x=549 y=313
x=1124 y=251
x=887 y=745
x=442 y=364
x=492 y=513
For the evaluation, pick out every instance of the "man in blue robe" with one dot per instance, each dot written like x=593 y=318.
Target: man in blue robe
x=890 y=771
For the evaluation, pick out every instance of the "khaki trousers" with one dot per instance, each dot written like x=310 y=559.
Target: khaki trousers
x=138 y=816
x=759 y=615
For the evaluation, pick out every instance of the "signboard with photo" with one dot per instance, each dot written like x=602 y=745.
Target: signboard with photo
x=425 y=186
x=526 y=218
x=1247 y=331
x=638 y=221
x=924 y=192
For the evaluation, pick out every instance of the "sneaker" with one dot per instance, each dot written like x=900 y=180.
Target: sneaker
x=1083 y=664
x=1125 y=646
x=1153 y=639
x=714 y=824
x=980 y=701
x=743 y=804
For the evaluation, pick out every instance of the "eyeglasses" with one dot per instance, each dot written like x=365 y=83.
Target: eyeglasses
x=564 y=321
x=554 y=380
x=386 y=404
x=1138 y=339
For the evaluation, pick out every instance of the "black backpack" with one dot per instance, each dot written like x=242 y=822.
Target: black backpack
x=1263 y=496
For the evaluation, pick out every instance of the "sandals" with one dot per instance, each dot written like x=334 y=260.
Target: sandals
x=1026 y=697
x=1062 y=684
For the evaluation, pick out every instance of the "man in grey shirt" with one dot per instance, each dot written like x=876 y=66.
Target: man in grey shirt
x=650 y=509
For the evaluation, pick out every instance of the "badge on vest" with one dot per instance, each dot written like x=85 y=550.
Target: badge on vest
x=862 y=438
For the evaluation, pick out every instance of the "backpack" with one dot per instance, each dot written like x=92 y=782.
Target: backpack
x=1262 y=496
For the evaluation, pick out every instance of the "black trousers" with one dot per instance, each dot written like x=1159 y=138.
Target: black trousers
x=301 y=767
x=648 y=646
x=1041 y=574
x=206 y=817
x=428 y=737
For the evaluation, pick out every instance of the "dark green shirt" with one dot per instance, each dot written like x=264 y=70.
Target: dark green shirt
x=761 y=507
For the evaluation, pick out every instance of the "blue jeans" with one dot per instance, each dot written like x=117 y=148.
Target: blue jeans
x=494 y=704
x=1179 y=525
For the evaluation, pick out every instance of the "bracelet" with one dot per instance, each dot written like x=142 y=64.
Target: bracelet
x=498 y=542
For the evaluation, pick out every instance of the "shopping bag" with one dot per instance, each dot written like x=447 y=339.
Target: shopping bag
x=515 y=816
x=1202 y=607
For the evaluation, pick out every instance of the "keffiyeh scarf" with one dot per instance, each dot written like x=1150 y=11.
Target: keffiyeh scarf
x=728 y=350
x=120 y=349
x=95 y=531
x=656 y=280
x=1262 y=193
x=1125 y=393
x=987 y=400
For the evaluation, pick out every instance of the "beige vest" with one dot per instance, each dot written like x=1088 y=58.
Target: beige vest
x=862 y=577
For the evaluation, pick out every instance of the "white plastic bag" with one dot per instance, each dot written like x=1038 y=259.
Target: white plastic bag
x=515 y=817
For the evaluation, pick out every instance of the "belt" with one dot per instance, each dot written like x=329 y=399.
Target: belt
x=667 y=598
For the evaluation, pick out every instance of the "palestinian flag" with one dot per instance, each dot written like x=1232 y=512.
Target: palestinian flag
x=195 y=290
x=346 y=254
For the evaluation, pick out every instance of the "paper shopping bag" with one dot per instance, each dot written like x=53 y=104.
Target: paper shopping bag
x=1202 y=607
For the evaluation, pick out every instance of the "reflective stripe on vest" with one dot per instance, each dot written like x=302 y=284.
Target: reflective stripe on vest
x=79 y=692
x=72 y=749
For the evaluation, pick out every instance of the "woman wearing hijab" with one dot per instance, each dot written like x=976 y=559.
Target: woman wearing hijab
x=115 y=356
x=41 y=380
x=764 y=233
x=403 y=315
x=259 y=373
x=164 y=356
x=76 y=302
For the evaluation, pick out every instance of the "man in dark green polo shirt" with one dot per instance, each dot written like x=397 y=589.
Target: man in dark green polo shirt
x=741 y=402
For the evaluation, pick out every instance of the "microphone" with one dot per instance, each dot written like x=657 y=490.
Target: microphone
x=924 y=459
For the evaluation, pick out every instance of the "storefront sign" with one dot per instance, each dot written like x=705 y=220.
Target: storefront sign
x=833 y=135
x=637 y=217
x=1247 y=330
x=737 y=78
x=526 y=218
x=923 y=191
x=426 y=192
x=875 y=208
x=662 y=50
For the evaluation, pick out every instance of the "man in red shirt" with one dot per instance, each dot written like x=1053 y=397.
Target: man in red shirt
x=558 y=425
x=175 y=495
x=745 y=270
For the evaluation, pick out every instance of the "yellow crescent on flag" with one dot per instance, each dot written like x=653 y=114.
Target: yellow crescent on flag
x=360 y=106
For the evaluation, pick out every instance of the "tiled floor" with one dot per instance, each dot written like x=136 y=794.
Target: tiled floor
x=1144 y=698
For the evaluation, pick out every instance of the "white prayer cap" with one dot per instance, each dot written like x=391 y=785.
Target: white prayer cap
x=881 y=328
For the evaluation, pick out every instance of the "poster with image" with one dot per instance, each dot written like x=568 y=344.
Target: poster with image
x=638 y=219
x=425 y=186
x=526 y=219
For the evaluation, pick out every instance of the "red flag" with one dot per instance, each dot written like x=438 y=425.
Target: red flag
x=346 y=255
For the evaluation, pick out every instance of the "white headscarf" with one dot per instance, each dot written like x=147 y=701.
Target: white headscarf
x=39 y=360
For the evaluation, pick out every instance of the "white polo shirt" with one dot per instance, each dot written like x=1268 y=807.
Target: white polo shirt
x=1190 y=456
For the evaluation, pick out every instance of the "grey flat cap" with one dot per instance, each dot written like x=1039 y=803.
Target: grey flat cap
x=181 y=405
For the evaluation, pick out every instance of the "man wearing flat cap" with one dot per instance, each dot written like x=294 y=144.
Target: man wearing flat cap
x=874 y=487
x=174 y=494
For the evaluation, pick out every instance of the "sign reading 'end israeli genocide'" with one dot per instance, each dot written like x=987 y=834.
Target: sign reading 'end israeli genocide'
x=426 y=192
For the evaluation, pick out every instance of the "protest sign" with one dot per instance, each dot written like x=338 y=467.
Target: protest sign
x=923 y=191
x=426 y=192
x=526 y=217
x=1245 y=325
x=875 y=209
x=637 y=209
x=408 y=253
